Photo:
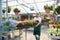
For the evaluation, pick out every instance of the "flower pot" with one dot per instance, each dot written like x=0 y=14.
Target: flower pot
x=3 y=11
x=47 y=11
x=16 y=13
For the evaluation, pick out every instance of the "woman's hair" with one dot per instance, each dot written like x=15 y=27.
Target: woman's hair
x=37 y=14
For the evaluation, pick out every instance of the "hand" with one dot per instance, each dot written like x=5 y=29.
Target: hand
x=36 y=25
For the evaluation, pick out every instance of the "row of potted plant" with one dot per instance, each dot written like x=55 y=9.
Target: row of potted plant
x=54 y=28
x=26 y=24
x=16 y=10
x=54 y=32
x=21 y=25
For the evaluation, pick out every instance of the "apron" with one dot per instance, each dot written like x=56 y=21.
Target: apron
x=37 y=30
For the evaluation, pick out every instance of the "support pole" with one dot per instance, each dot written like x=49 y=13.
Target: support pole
x=6 y=9
x=25 y=33
x=0 y=10
x=0 y=19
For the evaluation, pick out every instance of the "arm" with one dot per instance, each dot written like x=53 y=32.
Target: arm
x=39 y=22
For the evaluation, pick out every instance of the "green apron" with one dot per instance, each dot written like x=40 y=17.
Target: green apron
x=37 y=30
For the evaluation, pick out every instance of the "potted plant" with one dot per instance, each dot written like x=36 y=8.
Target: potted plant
x=47 y=9
x=54 y=12
x=31 y=23
x=9 y=9
x=3 y=10
x=51 y=7
x=58 y=9
x=57 y=24
x=19 y=26
x=6 y=26
x=16 y=11
x=3 y=18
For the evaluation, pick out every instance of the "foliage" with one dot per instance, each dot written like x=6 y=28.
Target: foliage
x=25 y=24
x=57 y=24
x=54 y=31
x=51 y=7
x=57 y=9
x=30 y=23
x=9 y=9
x=3 y=18
x=54 y=12
x=19 y=25
x=48 y=7
x=6 y=26
x=16 y=10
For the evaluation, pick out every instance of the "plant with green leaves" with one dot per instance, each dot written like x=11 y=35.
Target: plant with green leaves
x=6 y=26
x=58 y=9
x=9 y=9
x=29 y=23
x=3 y=18
x=3 y=10
x=16 y=10
x=54 y=12
x=51 y=7
x=46 y=7
x=19 y=26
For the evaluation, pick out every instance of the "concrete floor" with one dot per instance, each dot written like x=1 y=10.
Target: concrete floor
x=30 y=35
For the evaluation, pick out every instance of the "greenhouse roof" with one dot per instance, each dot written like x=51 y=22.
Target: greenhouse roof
x=28 y=6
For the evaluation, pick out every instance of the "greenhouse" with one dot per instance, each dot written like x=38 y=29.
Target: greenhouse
x=29 y=19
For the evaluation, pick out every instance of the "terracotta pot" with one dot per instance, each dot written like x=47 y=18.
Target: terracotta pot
x=47 y=11
x=16 y=13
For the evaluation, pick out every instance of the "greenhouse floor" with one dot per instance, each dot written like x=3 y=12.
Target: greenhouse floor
x=30 y=35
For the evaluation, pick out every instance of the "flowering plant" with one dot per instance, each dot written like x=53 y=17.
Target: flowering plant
x=26 y=24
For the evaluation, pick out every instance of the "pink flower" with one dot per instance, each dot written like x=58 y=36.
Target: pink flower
x=23 y=22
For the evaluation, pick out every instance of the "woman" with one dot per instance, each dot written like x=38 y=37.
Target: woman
x=37 y=29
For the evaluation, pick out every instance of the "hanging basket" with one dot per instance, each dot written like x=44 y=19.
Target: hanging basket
x=3 y=11
x=16 y=13
x=47 y=11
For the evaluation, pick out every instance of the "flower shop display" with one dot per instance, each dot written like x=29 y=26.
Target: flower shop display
x=16 y=11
